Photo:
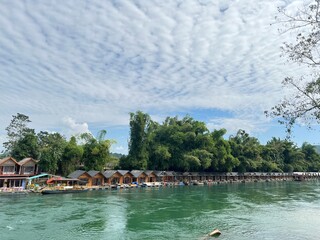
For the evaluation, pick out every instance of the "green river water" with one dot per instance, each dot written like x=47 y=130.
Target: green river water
x=271 y=210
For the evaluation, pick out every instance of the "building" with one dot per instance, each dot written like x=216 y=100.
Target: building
x=14 y=173
x=83 y=176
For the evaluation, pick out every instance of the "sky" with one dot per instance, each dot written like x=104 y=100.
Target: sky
x=79 y=66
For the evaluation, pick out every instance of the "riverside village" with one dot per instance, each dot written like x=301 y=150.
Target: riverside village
x=23 y=177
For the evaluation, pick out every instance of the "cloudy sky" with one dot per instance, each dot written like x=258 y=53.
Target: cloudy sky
x=81 y=66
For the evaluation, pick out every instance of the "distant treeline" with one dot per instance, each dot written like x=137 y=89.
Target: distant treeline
x=176 y=145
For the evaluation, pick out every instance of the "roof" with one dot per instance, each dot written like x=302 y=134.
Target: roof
x=39 y=176
x=194 y=173
x=231 y=174
x=123 y=172
x=137 y=173
x=158 y=173
x=7 y=159
x=76 y=174
x=109 y=173
x=168 y=173
x=25 y=160
x=92 y=173
x=148 y=172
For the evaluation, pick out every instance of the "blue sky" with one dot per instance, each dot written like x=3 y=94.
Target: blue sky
x=81 y=66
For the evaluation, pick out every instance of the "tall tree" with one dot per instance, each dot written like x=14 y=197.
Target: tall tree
x=71 y=157
x=16 y=131
x=222 y=159
x=26 y=146
x=52 y=147
x=138 y=143
x=304 y=103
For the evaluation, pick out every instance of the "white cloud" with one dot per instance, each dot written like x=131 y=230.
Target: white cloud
x=73 y=128
x=119 y=149
x=97 y=62
x=232 y=125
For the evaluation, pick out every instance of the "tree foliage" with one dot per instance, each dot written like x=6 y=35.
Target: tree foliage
x=26 y=146
x=52 y=147
x=96 y=152
x=71 y=157
x=22 y=141
x=174 y=145
x=304 y=103
x=138 y=155
x=56 y=155
x=187 y=145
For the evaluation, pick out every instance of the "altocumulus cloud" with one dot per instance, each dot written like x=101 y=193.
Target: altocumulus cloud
x=96 y=61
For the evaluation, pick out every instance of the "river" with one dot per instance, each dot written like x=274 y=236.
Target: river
x=270 y=210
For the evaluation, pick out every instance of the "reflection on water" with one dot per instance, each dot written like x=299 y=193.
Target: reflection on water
x=275 y=210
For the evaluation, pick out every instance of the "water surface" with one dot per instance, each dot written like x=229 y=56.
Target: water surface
x=273 y=210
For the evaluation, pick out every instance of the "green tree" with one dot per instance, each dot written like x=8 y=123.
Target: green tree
x=311 y=157
x=222 y=159
x=247 y=150
x=26 y=146
x=179 y=145
x=71 y=157
x=52 y=146
x=96 y=152
x=21 y=139
x=138 y=143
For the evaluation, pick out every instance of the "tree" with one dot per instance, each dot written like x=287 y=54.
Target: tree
x=179 y=145
x=96 y=152
x=304 y=103
x=16 y=131
x=247 y=150
x=26 y=146
x=71 y=157
x=311 y=157
x=52 y=146
x=138 y=143
x=222 y=158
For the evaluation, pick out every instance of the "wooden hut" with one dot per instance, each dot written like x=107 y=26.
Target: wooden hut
x=168 y=176
x=9 y=166
x=97 y=178
x=83 y=176
x=159 y=176
x=9 y=173
x=126 y=176
x=139 y=176
x=113 y=177
x=151 y=176
x=14 y=173
x=28 y=166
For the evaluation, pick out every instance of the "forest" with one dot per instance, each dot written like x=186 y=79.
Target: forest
x=176 y=144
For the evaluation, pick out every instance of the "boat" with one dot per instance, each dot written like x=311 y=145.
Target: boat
x=64 y=190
